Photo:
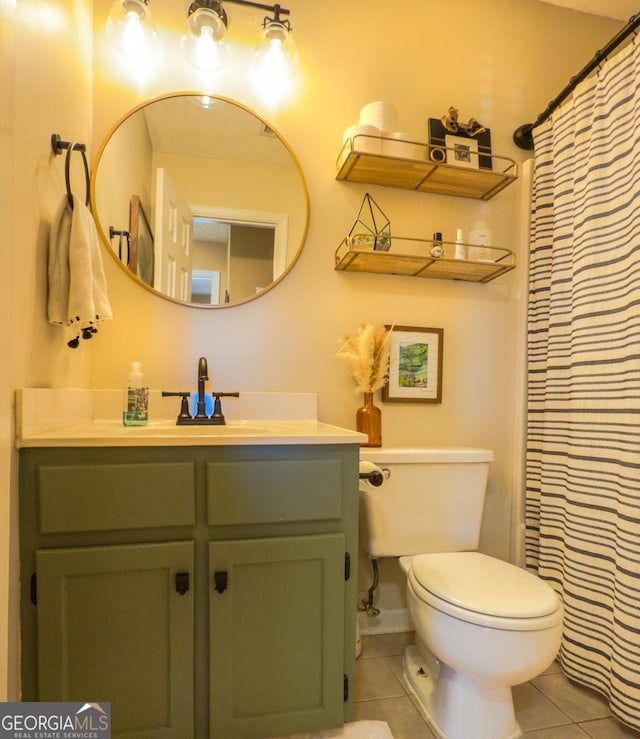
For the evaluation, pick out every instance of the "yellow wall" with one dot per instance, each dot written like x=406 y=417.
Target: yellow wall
x=8 y=516
x=497 y=60
x=45 y=88
x=126 y=173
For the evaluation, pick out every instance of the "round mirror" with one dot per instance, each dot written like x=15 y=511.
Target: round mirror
x=200 y=200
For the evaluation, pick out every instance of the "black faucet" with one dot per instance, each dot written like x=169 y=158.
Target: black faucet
x=201 y=418
x=203 y=376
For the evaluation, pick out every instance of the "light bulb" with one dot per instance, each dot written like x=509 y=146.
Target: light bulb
x=131 y=29
x=275 y=61
x=204 y=52
x=203 y=39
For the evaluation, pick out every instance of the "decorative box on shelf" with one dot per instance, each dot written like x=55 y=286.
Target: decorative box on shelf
x=413 y=257
x=414 y=165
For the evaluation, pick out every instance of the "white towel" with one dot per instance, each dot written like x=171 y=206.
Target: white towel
x=77 y=285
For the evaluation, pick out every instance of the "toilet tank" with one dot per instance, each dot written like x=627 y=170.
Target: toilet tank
x=431 y=501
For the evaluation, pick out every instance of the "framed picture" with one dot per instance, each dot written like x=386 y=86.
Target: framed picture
x=468 y=151
x=141 y=254
x=461 y=152
x=415 y=365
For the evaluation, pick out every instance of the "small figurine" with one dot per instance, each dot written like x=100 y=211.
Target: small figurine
x=451 y=123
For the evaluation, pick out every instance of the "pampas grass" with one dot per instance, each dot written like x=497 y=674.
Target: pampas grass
x=367 y=354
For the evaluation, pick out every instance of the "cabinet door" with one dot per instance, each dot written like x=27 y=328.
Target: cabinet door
x=276 y=636
x=112 y=627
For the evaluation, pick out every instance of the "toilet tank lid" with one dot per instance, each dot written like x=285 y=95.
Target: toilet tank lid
x=433 y=455
x=485 y=585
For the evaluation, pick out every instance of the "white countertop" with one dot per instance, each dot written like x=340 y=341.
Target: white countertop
x=92 y=418
x=166 y=433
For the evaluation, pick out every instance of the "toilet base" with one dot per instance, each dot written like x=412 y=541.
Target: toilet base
x=454 y=707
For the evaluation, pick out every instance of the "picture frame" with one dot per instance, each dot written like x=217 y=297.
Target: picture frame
x=415 y=365
x=439 y=147
x=141 y=251
x=461 y=151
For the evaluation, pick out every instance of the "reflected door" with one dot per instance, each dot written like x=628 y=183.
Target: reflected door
x=173 y=241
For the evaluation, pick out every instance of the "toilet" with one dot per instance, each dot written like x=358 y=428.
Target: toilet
x=481 y=624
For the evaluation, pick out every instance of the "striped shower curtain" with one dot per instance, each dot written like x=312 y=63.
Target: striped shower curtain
x=582 y=506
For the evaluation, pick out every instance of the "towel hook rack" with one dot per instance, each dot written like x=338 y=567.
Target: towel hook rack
x=57 y=147
x=123 y=236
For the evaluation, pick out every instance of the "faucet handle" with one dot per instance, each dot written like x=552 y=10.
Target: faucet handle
x=217 y=416
x=184 y=403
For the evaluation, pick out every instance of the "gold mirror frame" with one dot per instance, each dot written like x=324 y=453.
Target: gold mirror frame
x=104 y=228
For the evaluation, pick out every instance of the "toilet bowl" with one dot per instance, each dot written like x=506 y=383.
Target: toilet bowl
x=490 y=625
x=482 y=625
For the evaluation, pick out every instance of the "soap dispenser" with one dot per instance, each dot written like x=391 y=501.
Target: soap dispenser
x=137 y=413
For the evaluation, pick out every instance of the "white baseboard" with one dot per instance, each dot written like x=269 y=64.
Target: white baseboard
x=390 y=621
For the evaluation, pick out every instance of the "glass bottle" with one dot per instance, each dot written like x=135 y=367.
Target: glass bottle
x=369 y=421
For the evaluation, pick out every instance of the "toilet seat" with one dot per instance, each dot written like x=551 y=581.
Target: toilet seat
x=483 y=590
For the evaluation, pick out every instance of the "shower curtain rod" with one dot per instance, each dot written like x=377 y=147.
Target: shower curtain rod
x=523 y=135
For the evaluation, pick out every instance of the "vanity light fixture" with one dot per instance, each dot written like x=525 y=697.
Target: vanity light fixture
x=275 y=59
x=131 y=29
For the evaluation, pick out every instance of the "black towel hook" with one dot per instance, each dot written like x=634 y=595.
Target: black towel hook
x=57 y=147
x=123 y=236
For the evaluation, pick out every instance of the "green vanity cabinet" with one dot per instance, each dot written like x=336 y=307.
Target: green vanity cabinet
x=115 y=628
x=204 y=590
x=276 y=635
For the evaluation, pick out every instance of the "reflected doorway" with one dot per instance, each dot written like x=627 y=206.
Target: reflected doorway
x=233 y=259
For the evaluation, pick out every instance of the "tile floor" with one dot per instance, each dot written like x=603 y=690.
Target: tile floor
x=548 y=707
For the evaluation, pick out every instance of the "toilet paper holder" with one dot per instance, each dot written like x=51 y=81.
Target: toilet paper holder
x=375 y=477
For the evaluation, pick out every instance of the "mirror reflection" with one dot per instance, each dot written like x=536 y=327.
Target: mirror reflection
x=200 y=200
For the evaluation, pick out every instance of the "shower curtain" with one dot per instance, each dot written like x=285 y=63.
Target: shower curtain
x=582 y=502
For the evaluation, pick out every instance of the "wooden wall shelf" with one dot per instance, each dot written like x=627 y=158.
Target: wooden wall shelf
x=356 y=163
x=413 y=259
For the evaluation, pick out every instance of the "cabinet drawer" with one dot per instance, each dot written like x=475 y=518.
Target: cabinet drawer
x=268 y=491
x=116 y=496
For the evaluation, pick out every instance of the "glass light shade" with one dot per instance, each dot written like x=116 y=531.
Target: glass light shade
x=203 y=42
x=276 y=60
x=131 y=29
x=209 y=19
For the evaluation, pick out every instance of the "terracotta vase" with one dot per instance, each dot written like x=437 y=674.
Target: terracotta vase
x=369 y=421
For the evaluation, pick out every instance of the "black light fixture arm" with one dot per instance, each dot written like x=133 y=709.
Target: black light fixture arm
x=523 y=135
x=275 y=9
x=217 y=7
